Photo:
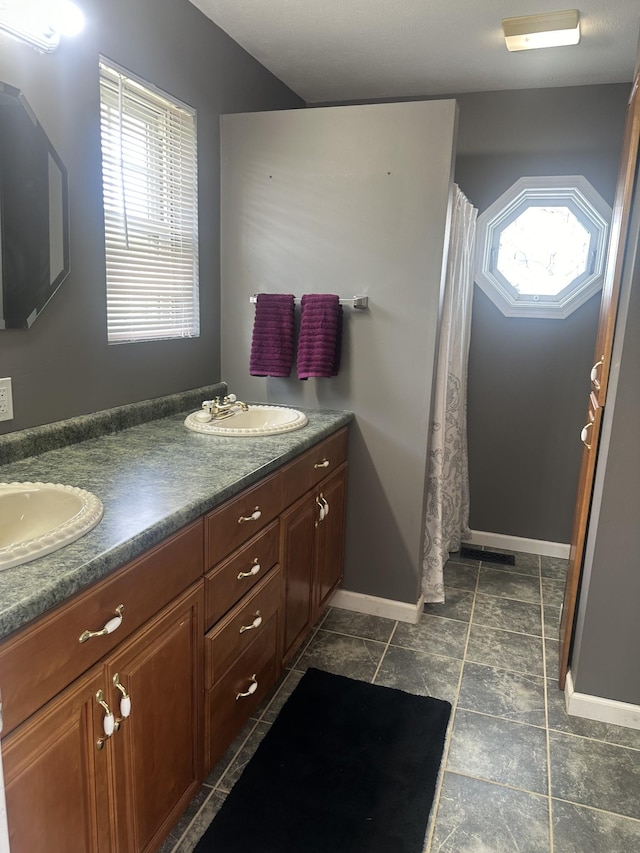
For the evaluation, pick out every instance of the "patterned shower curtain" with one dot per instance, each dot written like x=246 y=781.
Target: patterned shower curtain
x=447 y=515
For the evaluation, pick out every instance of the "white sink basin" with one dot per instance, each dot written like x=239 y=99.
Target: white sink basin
x=38 y=518
x=258 y=420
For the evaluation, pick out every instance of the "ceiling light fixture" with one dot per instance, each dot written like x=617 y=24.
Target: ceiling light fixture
x=553 y=29
x=40 y=22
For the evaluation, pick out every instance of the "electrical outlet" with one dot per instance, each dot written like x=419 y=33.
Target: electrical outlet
x=6 y=400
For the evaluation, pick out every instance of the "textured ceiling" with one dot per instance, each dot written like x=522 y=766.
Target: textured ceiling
x=334 y=50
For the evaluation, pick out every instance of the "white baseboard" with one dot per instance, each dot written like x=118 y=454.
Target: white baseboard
x=519 y=543
x=598 y=708
x=400 y=611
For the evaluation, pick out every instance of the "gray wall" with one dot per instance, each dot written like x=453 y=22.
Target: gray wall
x=528 y=378
x=62 y=366
x=349 y=200
x=607 y=638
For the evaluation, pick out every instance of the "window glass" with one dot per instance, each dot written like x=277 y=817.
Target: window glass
x=541 y=246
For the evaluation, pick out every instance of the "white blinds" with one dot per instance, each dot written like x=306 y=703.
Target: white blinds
x=149 y=174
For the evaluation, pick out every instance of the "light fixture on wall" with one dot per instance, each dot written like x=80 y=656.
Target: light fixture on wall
x=553 y=29
x=41 y=23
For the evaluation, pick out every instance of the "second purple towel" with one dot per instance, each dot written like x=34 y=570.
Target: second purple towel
x=320 y=337
x=272 y=342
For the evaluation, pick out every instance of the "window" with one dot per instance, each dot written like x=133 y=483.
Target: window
x=541 y=247
x=149 y=174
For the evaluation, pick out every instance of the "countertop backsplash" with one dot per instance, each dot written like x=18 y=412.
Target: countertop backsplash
x=40 y=439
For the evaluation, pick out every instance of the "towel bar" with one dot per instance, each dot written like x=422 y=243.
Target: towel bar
x=355 y=301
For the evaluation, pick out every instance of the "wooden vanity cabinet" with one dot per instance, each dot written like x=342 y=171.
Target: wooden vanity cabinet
x=263 y=597
x=156 y=754
x=312 y=547
x=56 y=781
x=208 y=617
x=312 y=535
x=68 y=786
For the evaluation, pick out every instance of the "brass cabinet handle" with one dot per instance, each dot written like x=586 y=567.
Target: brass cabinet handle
x=257 y=622
x=111 y=626
x=255 y=515
x=108 y=721
x=322 y=511
x=252 y=571
x=125 y=701
x=594 y=374
x=250 y=690
x=325 y=503
x=584 y=434
x=324 y=464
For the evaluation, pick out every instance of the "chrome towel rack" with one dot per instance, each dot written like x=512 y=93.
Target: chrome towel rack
x=360 y=302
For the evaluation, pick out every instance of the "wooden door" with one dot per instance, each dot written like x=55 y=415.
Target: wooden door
x=56 y=777
x=157 y=750
x=329 y=558
x=627 y=181
x=297 y=528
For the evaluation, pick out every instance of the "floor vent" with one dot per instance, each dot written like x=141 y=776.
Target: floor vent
x=487 y=556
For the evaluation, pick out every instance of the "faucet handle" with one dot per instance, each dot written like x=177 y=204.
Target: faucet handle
x=231 y=398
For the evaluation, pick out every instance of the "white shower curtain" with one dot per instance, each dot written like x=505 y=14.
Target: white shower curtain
x=447 y=514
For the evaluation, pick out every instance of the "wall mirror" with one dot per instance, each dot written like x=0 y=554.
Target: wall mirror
x=34 y=214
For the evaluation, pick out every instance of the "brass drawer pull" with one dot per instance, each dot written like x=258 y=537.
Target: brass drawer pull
x=108 y=721
x=125 y=701
x=324 y=464
x=257 y=622
x=252 y=571
x=250 y=691
x=112 y=625
x=255 y=515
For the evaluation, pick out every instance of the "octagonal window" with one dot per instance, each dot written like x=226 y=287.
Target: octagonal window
x=541 y=247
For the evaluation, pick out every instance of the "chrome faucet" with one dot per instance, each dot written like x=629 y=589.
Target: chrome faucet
x=224 y=409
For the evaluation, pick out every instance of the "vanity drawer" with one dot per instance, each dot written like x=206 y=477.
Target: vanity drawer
x=314 y=465
x=41 y=659
x=225 y=710
x=228 y=582
x=228 y=640
x=232 y=524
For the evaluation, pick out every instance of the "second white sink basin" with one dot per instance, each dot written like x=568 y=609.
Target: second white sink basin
x=38 y=518
x=257 y=420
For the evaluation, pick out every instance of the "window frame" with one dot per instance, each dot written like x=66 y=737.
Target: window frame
x=148 y=144
x=592 y=211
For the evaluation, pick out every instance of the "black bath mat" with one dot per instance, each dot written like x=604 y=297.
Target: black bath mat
x=347 y=767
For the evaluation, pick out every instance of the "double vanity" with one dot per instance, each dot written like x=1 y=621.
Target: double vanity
x=133 y=656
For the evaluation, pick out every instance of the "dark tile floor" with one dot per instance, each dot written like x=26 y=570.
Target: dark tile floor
x=518 y=773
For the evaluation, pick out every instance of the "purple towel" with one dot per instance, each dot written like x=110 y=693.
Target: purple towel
x=272 y=342
x=320 y=335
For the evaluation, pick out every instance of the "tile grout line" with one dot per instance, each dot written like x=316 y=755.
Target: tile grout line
x=189 y=827
x=500 y=784
x=546 y=713
x=445 y=757
x=214 y=788
x=386 y=648
x=596 y=809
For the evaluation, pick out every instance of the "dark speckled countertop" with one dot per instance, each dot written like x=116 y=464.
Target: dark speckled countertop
x=153 y=477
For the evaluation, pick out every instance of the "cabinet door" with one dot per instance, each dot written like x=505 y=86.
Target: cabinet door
x=157 y=750
x=297 y=529
x=56 y=777
x=329 y=556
